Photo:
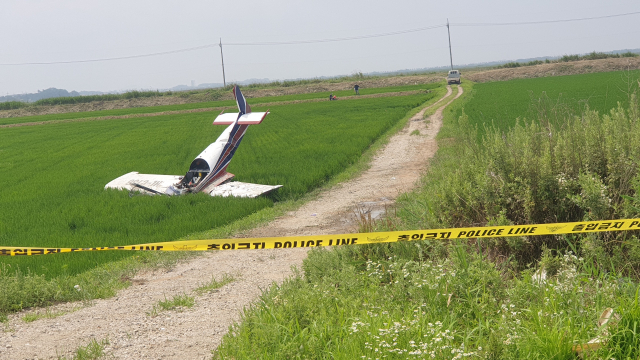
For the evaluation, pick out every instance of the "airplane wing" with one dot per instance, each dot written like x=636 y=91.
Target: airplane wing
x=145 y=183
x=152 y=184
x=241 y=189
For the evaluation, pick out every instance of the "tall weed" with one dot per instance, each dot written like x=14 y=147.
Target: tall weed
x=560 y=168
x=457 y=306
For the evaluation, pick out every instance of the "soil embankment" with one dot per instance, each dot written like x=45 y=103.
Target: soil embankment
x=556 y=69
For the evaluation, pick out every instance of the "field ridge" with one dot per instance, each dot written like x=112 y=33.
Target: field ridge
x=206 y=109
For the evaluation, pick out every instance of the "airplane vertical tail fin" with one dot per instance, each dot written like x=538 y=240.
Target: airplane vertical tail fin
x=243 y=107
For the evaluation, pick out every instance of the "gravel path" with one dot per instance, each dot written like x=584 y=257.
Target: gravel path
x=194 y=332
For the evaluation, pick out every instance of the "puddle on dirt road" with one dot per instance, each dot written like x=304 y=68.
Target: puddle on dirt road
x=373 y=209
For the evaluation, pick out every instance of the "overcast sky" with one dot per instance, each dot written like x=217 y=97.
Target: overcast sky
x=72 y=30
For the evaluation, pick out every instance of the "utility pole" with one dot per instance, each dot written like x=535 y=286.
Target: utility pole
x=448 y=32
x=224 y=81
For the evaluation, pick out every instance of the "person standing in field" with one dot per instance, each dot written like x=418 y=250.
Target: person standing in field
x=356 y=87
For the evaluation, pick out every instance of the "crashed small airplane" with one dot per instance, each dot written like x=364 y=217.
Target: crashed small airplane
x=208 y=172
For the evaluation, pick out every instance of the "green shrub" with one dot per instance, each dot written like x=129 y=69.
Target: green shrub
x=624 y=342
x=517 y=64
x=10 y=105
x=134 y=94
x=559 y=168
x=596 y=56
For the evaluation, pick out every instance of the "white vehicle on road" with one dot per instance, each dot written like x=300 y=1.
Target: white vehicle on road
x=453 y=77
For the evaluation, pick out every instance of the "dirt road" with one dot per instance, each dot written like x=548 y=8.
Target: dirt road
x=191 y=334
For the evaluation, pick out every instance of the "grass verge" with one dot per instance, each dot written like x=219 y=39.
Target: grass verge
x=179 y=302
x=47 y=314
x=214 y=284
x=424 y=300
x=27 y=290
x=94 y=350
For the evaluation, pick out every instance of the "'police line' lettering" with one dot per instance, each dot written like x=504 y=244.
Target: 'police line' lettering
x=497 y=232
x=332 y=242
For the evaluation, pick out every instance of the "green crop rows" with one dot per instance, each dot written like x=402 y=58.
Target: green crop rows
x=501 y=103
x=52 y=177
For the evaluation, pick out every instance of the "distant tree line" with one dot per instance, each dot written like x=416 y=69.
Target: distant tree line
x=79 y=99
x=10 y=105
x=106 y=97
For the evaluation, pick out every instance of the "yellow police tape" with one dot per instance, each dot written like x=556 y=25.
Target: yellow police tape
x=351 y=239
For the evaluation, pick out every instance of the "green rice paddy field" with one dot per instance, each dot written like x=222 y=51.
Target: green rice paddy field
x=52 y=176
x=501 y=103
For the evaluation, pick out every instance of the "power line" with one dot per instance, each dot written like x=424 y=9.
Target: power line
x=273 y=43
x=231 y=44
x=546 y=21
x=114 y=58
x=337 y=39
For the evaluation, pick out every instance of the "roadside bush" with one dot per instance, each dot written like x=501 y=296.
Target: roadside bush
x=10 y=105
x=567 y=58
x=517 y=64
x=560 y=168
x=595 y=56
x=510 y=65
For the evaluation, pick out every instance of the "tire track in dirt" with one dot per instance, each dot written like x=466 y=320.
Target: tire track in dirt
x=193 y=333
